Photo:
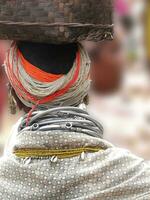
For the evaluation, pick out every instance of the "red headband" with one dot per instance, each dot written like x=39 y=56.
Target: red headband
x=35 y=72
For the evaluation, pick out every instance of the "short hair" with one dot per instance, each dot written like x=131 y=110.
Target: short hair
x=51 y=58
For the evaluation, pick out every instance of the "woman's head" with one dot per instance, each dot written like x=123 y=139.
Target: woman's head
x=48 y=75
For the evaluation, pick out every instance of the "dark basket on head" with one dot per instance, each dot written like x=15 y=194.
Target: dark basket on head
x=55 y=20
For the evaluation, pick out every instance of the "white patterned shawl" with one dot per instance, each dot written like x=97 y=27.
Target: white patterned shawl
x=109 y=174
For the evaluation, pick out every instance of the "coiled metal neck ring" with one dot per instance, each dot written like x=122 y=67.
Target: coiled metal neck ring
x=70 y=119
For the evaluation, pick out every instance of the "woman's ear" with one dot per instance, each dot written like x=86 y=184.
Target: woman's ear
x=15 y=102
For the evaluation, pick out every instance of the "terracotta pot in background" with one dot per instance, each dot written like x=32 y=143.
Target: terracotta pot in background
x=107 y=67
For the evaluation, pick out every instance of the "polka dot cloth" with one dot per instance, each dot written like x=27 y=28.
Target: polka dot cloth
x=111 y=174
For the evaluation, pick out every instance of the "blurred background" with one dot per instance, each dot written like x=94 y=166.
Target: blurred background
x=120 y=77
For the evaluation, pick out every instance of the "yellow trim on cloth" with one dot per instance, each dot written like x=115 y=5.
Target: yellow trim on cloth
x=60 y=153
x=147 y=28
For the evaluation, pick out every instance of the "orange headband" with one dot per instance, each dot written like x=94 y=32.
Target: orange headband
x=37 y=73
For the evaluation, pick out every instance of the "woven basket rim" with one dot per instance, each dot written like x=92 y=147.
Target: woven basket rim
x=56 y=24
